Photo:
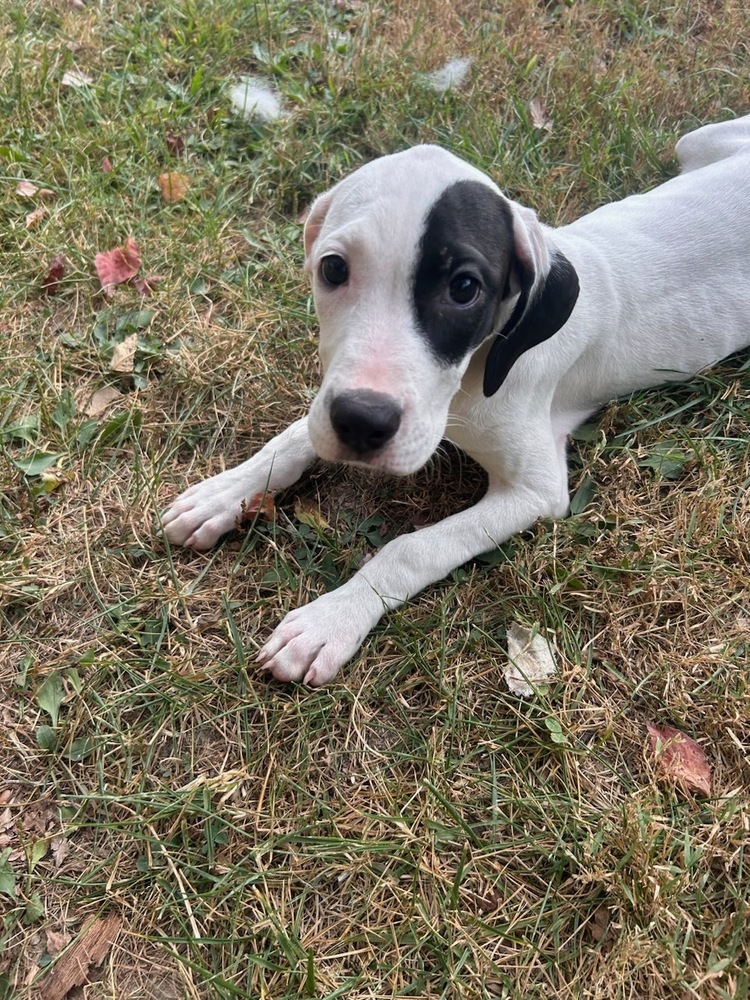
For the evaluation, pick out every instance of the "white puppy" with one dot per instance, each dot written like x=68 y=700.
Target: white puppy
x=448 y=311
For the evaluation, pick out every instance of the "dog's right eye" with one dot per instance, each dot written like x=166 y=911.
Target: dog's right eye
x=334 y=270
x=464 y=289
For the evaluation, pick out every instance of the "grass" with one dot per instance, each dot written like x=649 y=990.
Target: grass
x=414 y=830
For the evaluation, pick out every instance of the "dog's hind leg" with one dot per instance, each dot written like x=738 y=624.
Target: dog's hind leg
x=713 y=143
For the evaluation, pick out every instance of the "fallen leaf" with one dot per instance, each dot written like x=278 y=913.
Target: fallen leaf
x=599 y=923
x=540 y=117
x=25 y=189
x=90 y=949
x=60 y=848
x=145 y=286
x=123 y=356
x=530 y=660
x=118 y=265
x=76 y=78
x=308 y=513
x=102 y=399
x=106 y=165
x=56 y=941
x=34 y=218
x=680 y=760
x=261 y=505
x=6 y=820
x=55 y=274
x=173 y=186
x=175 y=145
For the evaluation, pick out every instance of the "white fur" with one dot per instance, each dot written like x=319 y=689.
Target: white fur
x=665 y=292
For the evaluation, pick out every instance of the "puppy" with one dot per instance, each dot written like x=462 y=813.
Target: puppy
x=449 y=311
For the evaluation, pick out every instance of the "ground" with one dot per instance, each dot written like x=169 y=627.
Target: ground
x=415 y=830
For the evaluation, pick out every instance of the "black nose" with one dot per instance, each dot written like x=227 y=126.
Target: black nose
x=365 y=420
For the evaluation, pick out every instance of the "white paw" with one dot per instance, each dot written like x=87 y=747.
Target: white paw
x=314 y=642
x=205 y=512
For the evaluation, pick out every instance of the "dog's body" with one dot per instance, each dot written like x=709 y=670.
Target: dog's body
x=447 y=310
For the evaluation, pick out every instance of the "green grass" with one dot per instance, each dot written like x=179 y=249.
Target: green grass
x=413 y=830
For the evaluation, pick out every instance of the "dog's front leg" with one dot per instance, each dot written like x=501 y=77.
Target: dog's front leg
x=313 y=642
x=200 y=515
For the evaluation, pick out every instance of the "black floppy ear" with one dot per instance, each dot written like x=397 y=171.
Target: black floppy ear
x=547 y=287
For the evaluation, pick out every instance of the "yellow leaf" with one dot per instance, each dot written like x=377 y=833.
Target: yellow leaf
x=173 y=186
x=308 y=513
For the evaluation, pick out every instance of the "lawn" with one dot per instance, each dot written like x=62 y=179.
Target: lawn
x=415 y=829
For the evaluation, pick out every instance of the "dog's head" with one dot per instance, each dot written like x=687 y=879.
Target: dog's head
x=416 y=260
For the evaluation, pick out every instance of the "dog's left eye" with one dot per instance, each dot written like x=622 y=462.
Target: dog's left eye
x=334 y=270
x=464 y=289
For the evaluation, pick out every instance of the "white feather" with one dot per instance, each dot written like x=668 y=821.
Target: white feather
x=254 y=97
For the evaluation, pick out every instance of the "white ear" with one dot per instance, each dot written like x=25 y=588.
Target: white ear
x=314 y=223
x=531 y=244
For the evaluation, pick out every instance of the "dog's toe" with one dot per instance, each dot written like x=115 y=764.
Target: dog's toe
x=313 y=643
x=203 y=513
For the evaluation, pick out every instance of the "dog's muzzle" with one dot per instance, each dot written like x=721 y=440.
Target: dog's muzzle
x=363 y=420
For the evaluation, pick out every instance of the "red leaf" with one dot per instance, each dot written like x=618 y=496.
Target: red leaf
x=52 y=280
x=118 y=265
x=680 y=760
x=261 y=505
x=145 y=286
x=175 y=145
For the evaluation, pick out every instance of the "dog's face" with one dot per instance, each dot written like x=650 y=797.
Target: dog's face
x=416 y=260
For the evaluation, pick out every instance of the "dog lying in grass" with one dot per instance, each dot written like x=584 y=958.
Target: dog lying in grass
x=449 y=311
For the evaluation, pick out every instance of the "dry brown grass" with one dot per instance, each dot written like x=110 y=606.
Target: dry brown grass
x=413 y=830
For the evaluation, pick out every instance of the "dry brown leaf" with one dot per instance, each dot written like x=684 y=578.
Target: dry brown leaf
x=680 y=760
x=91 y=948
x=56 y=941
x=25 y=189
x=103 y=398
x=540 y=117
x=173 y=186
x=34 y=218
x=175 y=145
x=599 y=924
x=123 y=356
x=118 y=265
x=261 y=505
x=145 y=286
x=53 y=278
x=60 y=847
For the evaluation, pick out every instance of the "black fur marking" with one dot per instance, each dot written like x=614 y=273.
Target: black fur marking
x=549 y=310
x=469 y=230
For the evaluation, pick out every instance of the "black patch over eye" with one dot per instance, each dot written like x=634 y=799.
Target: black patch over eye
x=334 y=270
x=462 y=263
x=464 y=289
